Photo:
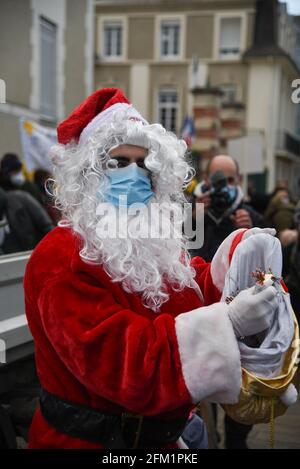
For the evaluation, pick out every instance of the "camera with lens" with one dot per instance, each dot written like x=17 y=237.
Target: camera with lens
x=220 y=193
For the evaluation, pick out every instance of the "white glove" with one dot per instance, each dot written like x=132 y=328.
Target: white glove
x=251 y=312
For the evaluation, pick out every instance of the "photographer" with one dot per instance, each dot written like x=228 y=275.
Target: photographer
x=225 y=210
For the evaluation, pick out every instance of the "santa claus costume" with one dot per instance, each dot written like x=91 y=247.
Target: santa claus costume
x=128 y=333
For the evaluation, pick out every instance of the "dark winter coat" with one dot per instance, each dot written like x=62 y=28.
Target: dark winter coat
x=27 y=220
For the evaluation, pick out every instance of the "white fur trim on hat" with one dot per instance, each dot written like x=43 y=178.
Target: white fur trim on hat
x=220 y=262
x=131 y=113
x=209 y=354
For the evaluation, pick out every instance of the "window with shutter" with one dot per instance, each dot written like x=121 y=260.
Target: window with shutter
x=230 y=38
x=170 y=39
x=112 y=39
x=168 y=109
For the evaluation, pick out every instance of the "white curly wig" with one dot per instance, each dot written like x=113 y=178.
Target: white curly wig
x=145 y=266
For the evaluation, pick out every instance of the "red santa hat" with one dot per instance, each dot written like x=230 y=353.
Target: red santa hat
x=92 y=112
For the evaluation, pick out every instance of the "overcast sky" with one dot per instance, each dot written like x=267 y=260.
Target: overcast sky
x=293 y=6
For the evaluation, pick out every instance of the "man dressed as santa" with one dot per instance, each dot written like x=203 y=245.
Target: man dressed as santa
x=129 y=334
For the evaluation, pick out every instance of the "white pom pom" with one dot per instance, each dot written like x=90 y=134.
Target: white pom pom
x=290 y=396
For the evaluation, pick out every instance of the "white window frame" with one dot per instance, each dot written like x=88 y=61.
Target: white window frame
x=116 y=39
x=158 y=105
x=181 y=20
x=170 y=38
x=217 y=33
x=102 y=20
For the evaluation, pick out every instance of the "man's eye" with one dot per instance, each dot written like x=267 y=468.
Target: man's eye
x=122 y=164
x=141 y=164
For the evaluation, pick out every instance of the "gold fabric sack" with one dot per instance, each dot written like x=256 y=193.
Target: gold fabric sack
x=259 y=400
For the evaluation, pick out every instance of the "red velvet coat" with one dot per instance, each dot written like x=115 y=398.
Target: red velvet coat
x=98 y=345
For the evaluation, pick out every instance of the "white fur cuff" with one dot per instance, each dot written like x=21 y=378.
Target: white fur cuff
x=209 y=354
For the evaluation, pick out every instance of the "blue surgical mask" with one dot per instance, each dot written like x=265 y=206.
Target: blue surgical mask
x=17 y=179
x=132 y=182
x=232 y=191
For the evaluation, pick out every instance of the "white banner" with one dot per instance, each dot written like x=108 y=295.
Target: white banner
x=36 y=143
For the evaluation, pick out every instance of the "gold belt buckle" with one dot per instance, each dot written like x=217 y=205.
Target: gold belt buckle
x=140 y=418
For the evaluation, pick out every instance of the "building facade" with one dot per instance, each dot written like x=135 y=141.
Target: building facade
x=272 y=69
x=206 y=59
x=46 y=62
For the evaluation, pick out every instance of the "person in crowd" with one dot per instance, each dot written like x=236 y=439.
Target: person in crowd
x=280 y=214
x=280 y=211
x=129 y=334
x=42 y=180
x=23 y=222
x=282 y=184
x=224 y=206
x=12 y=176
x=290 y=241
x=256 y=199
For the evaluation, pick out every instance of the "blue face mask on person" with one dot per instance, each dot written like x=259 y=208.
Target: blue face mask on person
x=232 y=192
x=132 y=182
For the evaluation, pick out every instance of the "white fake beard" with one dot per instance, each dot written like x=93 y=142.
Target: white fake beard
x=150 y=266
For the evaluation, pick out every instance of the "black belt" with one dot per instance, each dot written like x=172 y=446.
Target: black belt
x=110 y=430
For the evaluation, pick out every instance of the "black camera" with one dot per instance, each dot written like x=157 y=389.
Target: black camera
x=220 y=194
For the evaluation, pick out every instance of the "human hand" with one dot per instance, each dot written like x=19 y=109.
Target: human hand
x=288 y=237
x=251 y=312
x=204 y=199
x=241 y=219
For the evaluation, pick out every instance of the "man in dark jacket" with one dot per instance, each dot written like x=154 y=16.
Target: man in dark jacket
x=224 y=212
x=225 y=209
x=23 y=222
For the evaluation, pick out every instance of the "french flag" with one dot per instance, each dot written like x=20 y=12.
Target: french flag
x=188 y=132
